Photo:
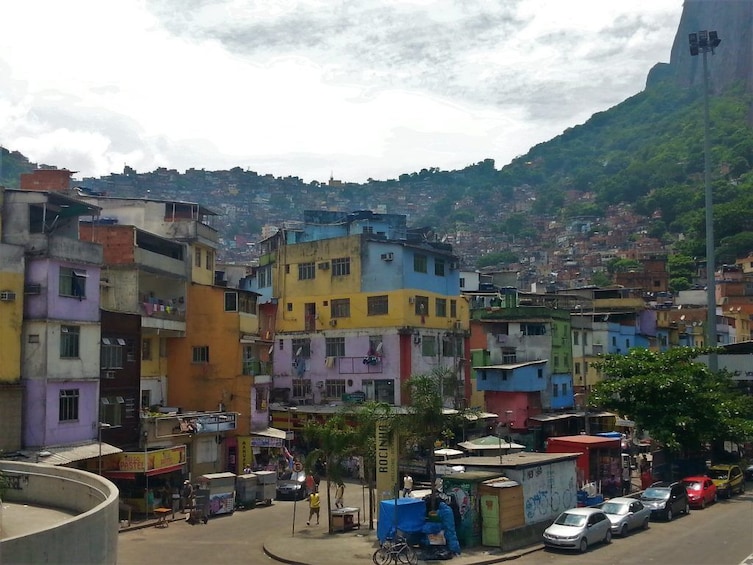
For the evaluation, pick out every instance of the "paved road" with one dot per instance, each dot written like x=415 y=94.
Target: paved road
x=721 y=534
x=229 y=539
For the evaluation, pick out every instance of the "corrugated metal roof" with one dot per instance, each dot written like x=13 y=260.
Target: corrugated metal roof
x=65 y=454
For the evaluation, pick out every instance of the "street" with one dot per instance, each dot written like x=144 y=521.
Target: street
x=721 y=534
x=235 y=538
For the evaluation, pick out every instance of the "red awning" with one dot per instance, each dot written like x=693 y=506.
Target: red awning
x=164 y=470
x=129 y=475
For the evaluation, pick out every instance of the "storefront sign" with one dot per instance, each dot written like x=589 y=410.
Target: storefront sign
x=133 y=461
x=260 y=441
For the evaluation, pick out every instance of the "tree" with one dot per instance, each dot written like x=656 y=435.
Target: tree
x=426 y=421
x=334 y=439
x=679 y=400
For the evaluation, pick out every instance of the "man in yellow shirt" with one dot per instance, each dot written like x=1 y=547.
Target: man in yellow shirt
x=314 y=505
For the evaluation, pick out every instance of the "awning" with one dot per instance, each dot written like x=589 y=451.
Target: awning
x=551 y=417
x=65 y=454
x=270 y=432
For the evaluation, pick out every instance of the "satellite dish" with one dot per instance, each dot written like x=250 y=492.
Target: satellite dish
x=379 y=347
x=682 y=318
x=271 y=349
x=298 y=353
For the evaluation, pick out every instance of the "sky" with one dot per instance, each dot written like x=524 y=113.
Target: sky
x=314 y=88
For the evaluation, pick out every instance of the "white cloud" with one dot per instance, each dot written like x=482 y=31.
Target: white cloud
x=363 y=88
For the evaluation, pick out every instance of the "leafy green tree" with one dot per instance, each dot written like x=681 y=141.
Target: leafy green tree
x=681 y=271
x=335 y=440
x=618 y=265
x=677 y=399
x=600 y=278
x=498 y=258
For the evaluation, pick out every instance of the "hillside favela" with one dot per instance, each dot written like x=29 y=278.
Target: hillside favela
x=536 y=361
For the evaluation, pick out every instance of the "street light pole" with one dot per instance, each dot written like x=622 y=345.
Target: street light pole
x=704 y=42
x=100 y=427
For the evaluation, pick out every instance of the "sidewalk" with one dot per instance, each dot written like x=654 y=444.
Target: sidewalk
x=314 y=546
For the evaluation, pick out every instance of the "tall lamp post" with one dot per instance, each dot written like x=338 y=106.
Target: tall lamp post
x=584 y=368
x=705 y=42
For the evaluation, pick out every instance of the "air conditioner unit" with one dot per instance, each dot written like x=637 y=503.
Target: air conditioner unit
x=388 y=256
x=324 y=266
x=33 y=289
x=333 y=323
x=411 y=300
x=7 y=296
x=454 y=265
x=108 y=374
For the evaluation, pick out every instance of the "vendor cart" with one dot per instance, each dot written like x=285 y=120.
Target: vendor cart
x=245 y=490
x=221 y=489
x=266 y=486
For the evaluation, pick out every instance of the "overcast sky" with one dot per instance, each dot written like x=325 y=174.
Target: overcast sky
x=356 y=89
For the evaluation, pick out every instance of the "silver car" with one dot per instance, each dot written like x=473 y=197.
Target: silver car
x=626 y=514
x=578 y=528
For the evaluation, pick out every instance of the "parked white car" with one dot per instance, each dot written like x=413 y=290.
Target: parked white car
x=626 y=514
x=578 y=528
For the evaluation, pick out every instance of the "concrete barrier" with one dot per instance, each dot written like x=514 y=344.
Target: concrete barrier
x=91 y=536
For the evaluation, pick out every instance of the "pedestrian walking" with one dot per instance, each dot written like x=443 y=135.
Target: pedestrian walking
x=314 y=506
x=407 y=485
x=339 y=494
x=186 y=496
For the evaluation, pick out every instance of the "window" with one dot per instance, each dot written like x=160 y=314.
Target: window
x=146 y=349
x=462 y=282
x=262 y=398
x=231 y=301
x=541 y=373
x=341 y=267
x=111 y=410
x=509 y=355
x=422 y=305
x=335 y=347
x=249 y=362
x=453 y=308
x=70 y=336
x=72 y=282
x=340 y=308
x=146 y=398
x=451 y=346
x=200 y=354
x=533 y=329
x=246 y=303
x=68 y=408
x=564 y=389
x=304 y=344
x=306 y=271
x=420 y=263
x=264 y=276
x=374 y=344
x=555 y=390
x=439 y=267
x=301 y=388
x=209 y=265
x=111 y=353
x=576 y=338
x=440 y=307
x=429 y=346
x=334 y=388
x=556 y=361
x=577 y=368
x=197 y=258
x=377 y=305
x=585 y=338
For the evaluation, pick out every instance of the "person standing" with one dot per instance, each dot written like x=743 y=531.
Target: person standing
x=314 y=506
x=186 y=496
x=339 y=494
x=407 y=485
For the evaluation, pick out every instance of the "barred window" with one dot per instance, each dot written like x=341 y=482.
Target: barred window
x=420 y=263
x=334 y=388
x=301 y=388
x=72 y=282
x=453 y=308
x=340 y=308
x=68 y=405
x=335 y=347
x=112 y=410
x=304 y=345
x=146 y=349
x=70 y=337
x=200 y=354
x=429 y=346
x=377 y=305
x=231 y=301
x=422 y=305
x=306 y=271
x=197 y=258
x=440 y=307
x=341 y=267
x=111 y=353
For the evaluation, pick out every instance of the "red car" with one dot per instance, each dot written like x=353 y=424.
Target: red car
x=701 y=490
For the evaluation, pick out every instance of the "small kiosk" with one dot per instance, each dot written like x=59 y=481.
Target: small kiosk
x=245 y=490
x=266 y=486
x=219 y=488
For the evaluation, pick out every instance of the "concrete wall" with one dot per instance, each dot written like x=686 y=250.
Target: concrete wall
x=90 y=537
x=548 y=489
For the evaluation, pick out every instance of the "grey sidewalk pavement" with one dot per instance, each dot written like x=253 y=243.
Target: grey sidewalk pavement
x=315 y=546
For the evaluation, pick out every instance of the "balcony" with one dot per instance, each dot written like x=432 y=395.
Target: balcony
x=158 y=262
x=359 y=365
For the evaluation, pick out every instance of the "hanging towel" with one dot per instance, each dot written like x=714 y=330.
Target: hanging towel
x=329 y=362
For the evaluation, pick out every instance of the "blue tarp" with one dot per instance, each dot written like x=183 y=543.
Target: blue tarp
x=405 y=514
